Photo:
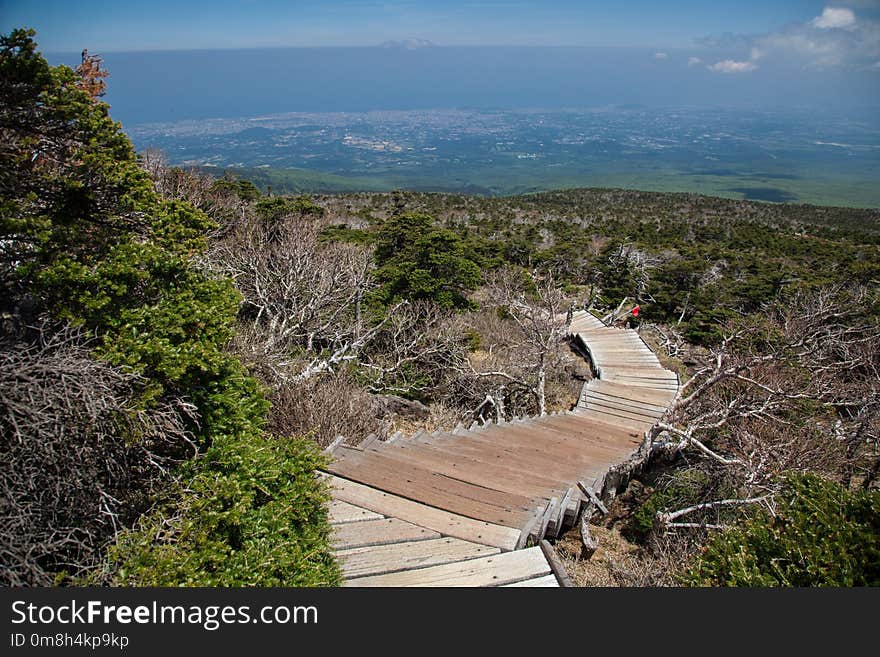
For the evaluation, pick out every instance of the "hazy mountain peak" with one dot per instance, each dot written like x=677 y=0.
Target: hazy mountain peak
x=409 y=44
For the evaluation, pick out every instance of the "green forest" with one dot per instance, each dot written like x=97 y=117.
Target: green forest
x=176 y=350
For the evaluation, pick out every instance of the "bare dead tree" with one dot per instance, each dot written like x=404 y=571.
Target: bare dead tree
x=80 y=457
x=639 y=263
x=303 y=299
x=795 y=389
x=414 y=346
x=532 y=313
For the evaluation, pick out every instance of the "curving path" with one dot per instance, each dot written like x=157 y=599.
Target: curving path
x=459 y=508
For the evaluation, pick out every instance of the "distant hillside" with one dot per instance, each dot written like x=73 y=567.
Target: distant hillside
x=299 y=181
x=585 y=206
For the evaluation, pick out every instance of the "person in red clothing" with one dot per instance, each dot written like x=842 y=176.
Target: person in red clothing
x=633 y=320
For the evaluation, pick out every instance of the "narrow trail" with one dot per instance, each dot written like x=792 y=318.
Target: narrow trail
x=459 y=508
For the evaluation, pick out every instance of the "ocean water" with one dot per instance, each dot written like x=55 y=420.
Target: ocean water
x=171 y=86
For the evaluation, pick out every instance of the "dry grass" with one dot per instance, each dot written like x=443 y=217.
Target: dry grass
x=602 y=569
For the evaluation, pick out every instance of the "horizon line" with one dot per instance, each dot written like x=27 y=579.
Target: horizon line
x=373 y=46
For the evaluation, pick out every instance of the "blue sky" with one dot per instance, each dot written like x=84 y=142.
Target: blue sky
x=797 y=53
x=114 y=25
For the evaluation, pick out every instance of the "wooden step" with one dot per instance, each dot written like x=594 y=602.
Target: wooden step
x=475 y=470
x=438 y=520
x=341 y=512
x=616 y=408
x=653 y=410
x=422 y=485
x=615 y=420
x=495 y=570
x=553 y=452
x=537 y=582
x=659 y=398
x=496 y=451
x=378 y=532
x=647 y=412
x=375 y=560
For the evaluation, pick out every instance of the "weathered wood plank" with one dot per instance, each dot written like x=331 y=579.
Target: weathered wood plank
x=444 y=522
x=546 y=581
x=374 y=560
x=549 y=512
x=483 y=472
x=532 y=453
x=378 y=532
x=427 y=487
x=591 y=494
x=619 y=409
x=341 y=512
x=496 y=570
x=336 y=442
x=529 y=531
x=555 y=564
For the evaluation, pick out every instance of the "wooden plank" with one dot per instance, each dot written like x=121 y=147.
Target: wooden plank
x=374 y=560
x=444 y=456
x=565 y=509
x=659 y=404
x=341 y=512
x=539 y=454
x=423 y=485
x=566 y=436
x=590 y=493
x=548 y=515
x=591 y=403
x=475 y=471
x=574 y=507
x=651 y=414
x=369 y=440
x=555 y=564
x=590 y=458
x=496 y=570
x=537 y=582
x=672 y=387
x=639 y=426
x=586 y=431
x=637 y=371
x=333 y=445
x=378 y=532
x=448 y=524
x=529 y=531
x=538 y=444
x=661 y=397
x=554 y=527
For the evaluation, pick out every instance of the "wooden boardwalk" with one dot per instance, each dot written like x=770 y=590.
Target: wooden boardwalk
x=459 y=508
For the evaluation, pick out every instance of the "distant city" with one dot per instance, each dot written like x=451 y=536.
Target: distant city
x=754 y=155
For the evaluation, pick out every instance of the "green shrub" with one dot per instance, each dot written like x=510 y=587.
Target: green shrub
x=88 y=241
x=417 y=260
x=822 y=535
x=684 y=489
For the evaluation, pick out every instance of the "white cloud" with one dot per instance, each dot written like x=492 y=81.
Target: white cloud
x=836 y=38
x=660 y=55
x=731 y=66
x=694 y=61
x=835 y=17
